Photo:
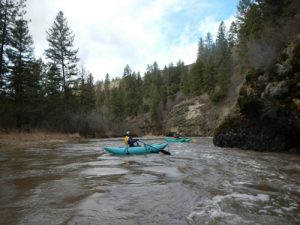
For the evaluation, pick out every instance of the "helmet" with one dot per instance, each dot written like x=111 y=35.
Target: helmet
x=128 y=132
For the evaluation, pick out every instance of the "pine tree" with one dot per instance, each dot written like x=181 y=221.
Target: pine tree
x=232 y=34
x=221 y=42
x=35 y=94
x=116 y=105
x=185 y=85
x=131 y=89
x=171 y=86
x=21 y=58
x=197 y=82
x=53 y=91
x=87 y=92
x=163 y=91
x=106 y=85
x=99 y=93
x=9 y=10
x=155 y=110
x=208 y=51
x=90 y=93
x=61 y=52
x=147 y=82
x=201 y=48
x=173 y=79
x=106 y=89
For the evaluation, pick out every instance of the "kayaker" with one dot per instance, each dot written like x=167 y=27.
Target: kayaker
x=176 y=135
x=128 y=140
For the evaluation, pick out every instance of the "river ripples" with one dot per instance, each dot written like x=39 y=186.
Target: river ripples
x=199 y=183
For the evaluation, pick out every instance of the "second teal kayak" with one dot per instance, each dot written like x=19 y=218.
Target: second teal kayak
x=171 y=139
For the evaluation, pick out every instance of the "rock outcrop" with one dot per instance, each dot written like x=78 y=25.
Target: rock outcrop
x=196 y=117
x=267 y=113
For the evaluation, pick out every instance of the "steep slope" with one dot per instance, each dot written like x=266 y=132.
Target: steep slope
x=199 y=116
x=267 y=114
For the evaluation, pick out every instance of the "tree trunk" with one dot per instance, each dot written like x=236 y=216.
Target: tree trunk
x=3 y=39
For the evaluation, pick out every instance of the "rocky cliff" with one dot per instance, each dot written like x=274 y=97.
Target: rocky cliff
x=194 y=117
x=199 y=116
x=267 y=113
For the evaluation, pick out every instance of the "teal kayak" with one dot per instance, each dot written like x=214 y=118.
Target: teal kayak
x=153 y=148
x=171 y=139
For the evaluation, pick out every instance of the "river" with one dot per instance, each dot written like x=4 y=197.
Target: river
x=80 y=184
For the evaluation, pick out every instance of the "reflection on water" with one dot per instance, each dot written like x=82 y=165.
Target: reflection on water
x=198 y=184
x=102 y=171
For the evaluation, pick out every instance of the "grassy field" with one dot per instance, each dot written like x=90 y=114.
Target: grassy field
x=32 y=139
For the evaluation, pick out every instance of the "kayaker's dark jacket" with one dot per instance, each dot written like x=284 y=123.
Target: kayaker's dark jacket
x=128 y=140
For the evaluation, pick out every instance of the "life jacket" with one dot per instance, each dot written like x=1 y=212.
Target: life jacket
x=126 y=139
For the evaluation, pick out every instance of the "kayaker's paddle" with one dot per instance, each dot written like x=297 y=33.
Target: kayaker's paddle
x=161 y=150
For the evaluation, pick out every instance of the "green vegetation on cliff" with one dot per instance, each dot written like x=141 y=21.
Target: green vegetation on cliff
x=267 y=115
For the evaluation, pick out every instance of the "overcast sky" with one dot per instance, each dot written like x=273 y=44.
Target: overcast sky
x=113 y=33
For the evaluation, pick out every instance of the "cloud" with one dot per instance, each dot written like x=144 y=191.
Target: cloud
x=209 y=24
x=111 y=34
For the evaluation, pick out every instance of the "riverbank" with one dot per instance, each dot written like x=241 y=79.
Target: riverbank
x=18 y=140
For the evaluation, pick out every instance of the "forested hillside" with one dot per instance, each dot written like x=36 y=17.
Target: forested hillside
x=267 y=113
x=59 y=95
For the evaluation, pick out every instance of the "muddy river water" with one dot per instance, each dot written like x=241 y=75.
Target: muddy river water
x=80 y=184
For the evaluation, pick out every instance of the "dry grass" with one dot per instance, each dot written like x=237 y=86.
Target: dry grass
x=27 y=140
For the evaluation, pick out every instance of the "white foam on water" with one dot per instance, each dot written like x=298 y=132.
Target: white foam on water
x=243 y=197
x=209 y=212
x=239 y=182
x=99 y=172
x=278 y=211
x=291 y=208
x=207 y=156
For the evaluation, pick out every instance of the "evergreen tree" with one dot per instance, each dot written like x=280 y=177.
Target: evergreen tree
x=155 y=109
x=152 y=78
x=249 y=20
x=186 y=83
x=243 y=8
x=219 y=69
x=208 y=50
x=99 y=94
x=169 y=84
x=9 y=10
x=106 y=85
x=139 y=91
x=201 y=48
x=221 y=42
x=130 y=86
x=35 y=94
x=147 y=82
x=173 y=79
x=127 y=71
x=103 y=92
x=87 y=92
x=116 y=105
x=53 y=92
x=61 y=52
x=164 y=85
x=195 y=83
x=180 y=73
x=20 y=55
x=232 y=34
x=197 y=78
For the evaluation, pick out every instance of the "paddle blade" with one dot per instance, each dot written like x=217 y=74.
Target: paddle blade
x=165 y=152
